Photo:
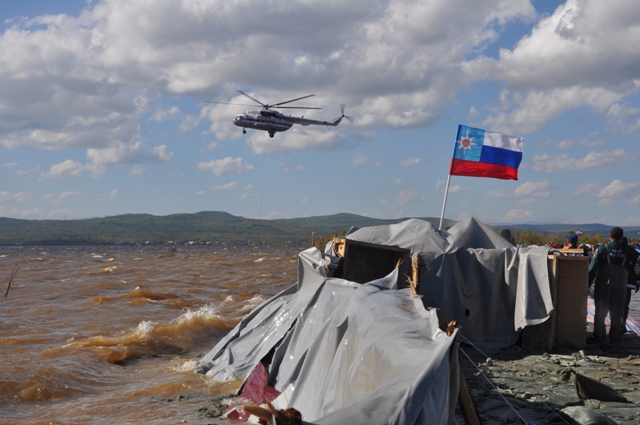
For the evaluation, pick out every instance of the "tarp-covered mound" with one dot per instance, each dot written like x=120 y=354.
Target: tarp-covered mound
x=372 y=354
x=353 y=353
x=491 y=287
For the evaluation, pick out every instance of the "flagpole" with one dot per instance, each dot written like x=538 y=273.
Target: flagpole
x=446 y=192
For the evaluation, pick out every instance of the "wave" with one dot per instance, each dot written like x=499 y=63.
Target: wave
x=190 y=330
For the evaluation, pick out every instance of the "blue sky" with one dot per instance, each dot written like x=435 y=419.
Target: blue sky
x=103 y=107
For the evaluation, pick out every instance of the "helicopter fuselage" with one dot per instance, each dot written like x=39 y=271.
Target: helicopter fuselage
x=273 y=121
x=267 y=120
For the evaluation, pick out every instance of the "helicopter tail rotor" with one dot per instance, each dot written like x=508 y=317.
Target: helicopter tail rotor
x=337 y=120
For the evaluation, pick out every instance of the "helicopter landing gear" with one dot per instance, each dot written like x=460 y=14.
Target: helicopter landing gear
x=271 y=134
x=244 y=131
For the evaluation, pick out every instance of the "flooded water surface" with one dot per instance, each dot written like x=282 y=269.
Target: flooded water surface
x=111 y=335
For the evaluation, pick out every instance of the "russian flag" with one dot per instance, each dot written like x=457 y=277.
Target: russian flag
x=480 y=153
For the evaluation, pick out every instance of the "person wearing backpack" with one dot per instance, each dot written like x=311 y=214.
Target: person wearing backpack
x=610 y=287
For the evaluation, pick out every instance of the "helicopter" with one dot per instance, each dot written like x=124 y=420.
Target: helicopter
x=273 y=121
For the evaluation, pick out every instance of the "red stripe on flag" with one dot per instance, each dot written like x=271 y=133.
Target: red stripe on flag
x=460 y=167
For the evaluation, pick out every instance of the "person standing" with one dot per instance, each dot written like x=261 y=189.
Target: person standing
x=632 y=261
x=607 y=268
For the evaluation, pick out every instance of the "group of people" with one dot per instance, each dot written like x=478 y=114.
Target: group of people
x=614 y=272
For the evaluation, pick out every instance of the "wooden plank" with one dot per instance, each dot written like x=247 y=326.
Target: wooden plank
x=579 y=251
x=571 y=302
x=553 y=281
x=467 y=405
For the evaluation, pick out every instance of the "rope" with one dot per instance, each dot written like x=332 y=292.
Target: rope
x=496 y=388
x=262 y=188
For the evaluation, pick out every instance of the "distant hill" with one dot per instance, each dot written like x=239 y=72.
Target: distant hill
x=201 y=227
x=140 y=228
x=216 y=227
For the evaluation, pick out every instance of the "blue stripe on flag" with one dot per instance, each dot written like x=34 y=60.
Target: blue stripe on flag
x=500 y=156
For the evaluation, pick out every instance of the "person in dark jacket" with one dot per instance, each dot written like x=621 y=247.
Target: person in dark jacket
x=610 y=287
x=630 y=263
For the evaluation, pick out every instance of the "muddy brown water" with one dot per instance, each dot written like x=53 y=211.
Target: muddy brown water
x=111 y=335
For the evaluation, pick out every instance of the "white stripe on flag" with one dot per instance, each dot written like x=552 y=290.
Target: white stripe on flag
x=499 y=140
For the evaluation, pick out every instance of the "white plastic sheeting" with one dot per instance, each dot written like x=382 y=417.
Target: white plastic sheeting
x=371 y=354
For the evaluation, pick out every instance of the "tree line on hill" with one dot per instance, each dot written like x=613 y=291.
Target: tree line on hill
x=218 y=227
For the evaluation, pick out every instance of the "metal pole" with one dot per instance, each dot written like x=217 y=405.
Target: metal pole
x=446 y=192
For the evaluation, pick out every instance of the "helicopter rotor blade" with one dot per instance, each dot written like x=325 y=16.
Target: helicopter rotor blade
x=293 y=100
x=294 y=107
x=264 y=105
x=227 y=103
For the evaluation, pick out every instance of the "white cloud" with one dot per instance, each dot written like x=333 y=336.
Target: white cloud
x=245 y=196
x=404 y=197
x=581 y=55
x=53 y=199
x=86 y=81
x=616 y=189
x=296 y=139
x=623 y=118
x=634 y=201
x=518 y=215
x=228 y=186
x=585 y=189
x=225 y=166
x=166 y=114
x=567 y=144
x=8 y=197
x=457 y=188
x=497 y=194
x=33 y=212
x=136 y=170
x=8 y=212
x=200 y=192
x=533 y=189
x=273 y=215
x=554 y=163
x=360 y=161
x=101 y=197
x=128 y=153
x=10 y=165
x=68 y=168
x=411 y=162
x=211 y=146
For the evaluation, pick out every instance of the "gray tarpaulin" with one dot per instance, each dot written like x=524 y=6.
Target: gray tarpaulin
x=371 y=354
x=491 y=287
